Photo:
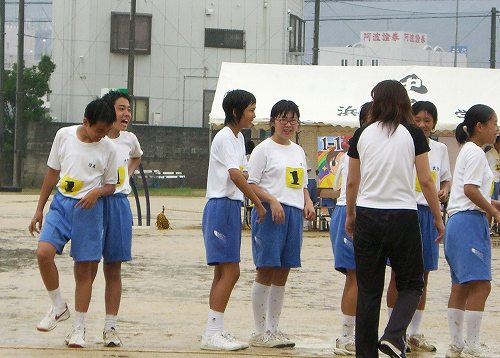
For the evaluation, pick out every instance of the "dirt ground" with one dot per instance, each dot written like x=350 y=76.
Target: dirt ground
x=165 y=295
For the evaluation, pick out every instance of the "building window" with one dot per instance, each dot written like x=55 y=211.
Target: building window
x=208 y=99
x=359 y=62
x=297 y=30
x=120 y=22
x=374 y=62
x=141 y=110
x=224 y=38
x=343 y=62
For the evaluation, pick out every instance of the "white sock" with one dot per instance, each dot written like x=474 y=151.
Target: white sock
x=215 y=323
x=348 y=324
x=456 y=325
x=110 y=322
x=414 y=326
x=389 y=312
x=473 y=321
x=274 y=306
x=80 y=319
x=57 y=300
x=260 y=299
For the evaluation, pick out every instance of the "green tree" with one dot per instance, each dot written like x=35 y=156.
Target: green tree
x=35 y=87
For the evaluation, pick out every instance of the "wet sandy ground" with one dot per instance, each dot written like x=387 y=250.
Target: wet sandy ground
x=166 y=286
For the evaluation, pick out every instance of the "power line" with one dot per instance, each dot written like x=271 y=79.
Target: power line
x=338 y=18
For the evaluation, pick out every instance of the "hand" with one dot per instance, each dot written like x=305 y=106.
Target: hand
x=497 y=217
x=89 y=199
x=261 y=211
x=443 y=196
x=350 y=222
x=440 y=228
x=277 y=212
x=309 y=212
x=36 y=223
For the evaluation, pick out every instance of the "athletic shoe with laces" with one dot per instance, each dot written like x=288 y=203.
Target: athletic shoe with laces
x=265 y=339
x=390 y=349
x=418 y=343
x=111 y=338
x=53 y=316
x=76 y=338
x=474 y=352
x=286 y=341
x=453 y=351
x=345 y=346
x=222 y=342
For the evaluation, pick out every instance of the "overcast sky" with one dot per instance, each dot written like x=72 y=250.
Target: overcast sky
x=342 y=21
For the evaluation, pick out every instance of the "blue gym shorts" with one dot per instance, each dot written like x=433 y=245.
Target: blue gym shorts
x=117 y=229
x=221 y=226
x=429 y=234
x=467 y=247
x=342 y=245
x=277 y=245
x=83 y=226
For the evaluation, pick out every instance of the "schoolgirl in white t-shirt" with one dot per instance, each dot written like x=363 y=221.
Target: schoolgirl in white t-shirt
x=278 y=175
x=467 y=240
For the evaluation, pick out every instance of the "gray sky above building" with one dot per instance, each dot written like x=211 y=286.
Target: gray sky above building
x=342 y=21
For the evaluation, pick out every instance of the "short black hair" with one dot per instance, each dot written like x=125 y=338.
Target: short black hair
x=112 y=96
x=281 y=108
x=427 y=106
x=99 y=111
x=236 y=100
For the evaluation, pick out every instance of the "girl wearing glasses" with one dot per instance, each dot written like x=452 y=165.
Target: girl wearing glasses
x=278 y=175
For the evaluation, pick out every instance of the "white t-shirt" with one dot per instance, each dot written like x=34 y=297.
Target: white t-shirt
x=440 y=169
x=227 y=152
x=471 y=167
x=494 y=163
x=342 y=174
x=127 y=146
x=82 y=166
x=280 y=170
x=387 y=162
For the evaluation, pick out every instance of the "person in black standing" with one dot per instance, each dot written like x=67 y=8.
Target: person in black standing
x=383 y=219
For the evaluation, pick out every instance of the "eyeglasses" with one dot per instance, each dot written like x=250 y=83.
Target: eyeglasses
x=284 y=120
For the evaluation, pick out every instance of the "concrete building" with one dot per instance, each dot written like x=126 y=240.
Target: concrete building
x=11 y=46
x=180 y=45
x=391 y=48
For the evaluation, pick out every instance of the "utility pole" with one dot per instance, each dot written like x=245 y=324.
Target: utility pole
x=493 y=40
x=18 y=125
x=2 y=66
x=316 y=33
x=131 y=52
x=456 y=38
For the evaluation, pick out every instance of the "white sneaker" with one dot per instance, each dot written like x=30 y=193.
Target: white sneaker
x=268 y=340
x=53 y=316
x=418 y=343
x=345 y=346
x=222 y=342
x=76 y=338
x=287 y=342
x=474 y=352
x=111 y=338
x=453 y=351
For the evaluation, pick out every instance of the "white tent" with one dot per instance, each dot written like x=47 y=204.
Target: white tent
x=332 y=95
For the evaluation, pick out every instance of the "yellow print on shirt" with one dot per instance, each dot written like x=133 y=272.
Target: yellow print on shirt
x=418 y=188
x=492 y=188
x=70 y=186
x=294 y=178
x=121 y=176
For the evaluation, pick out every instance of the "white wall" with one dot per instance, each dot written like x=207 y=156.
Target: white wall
x=179 y=67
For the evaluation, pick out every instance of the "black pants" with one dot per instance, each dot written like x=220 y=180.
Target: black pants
x=380 y=235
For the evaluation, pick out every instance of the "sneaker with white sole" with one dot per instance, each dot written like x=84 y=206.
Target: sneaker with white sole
x=111 y=338
x=390 y=349
x=474 y=352
x=453 y=351
x=222 y=342
x=269 y=340
x=286 y=341
x=345 y=345
x=52 y=318
x=418 y=343
x=76 y=338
